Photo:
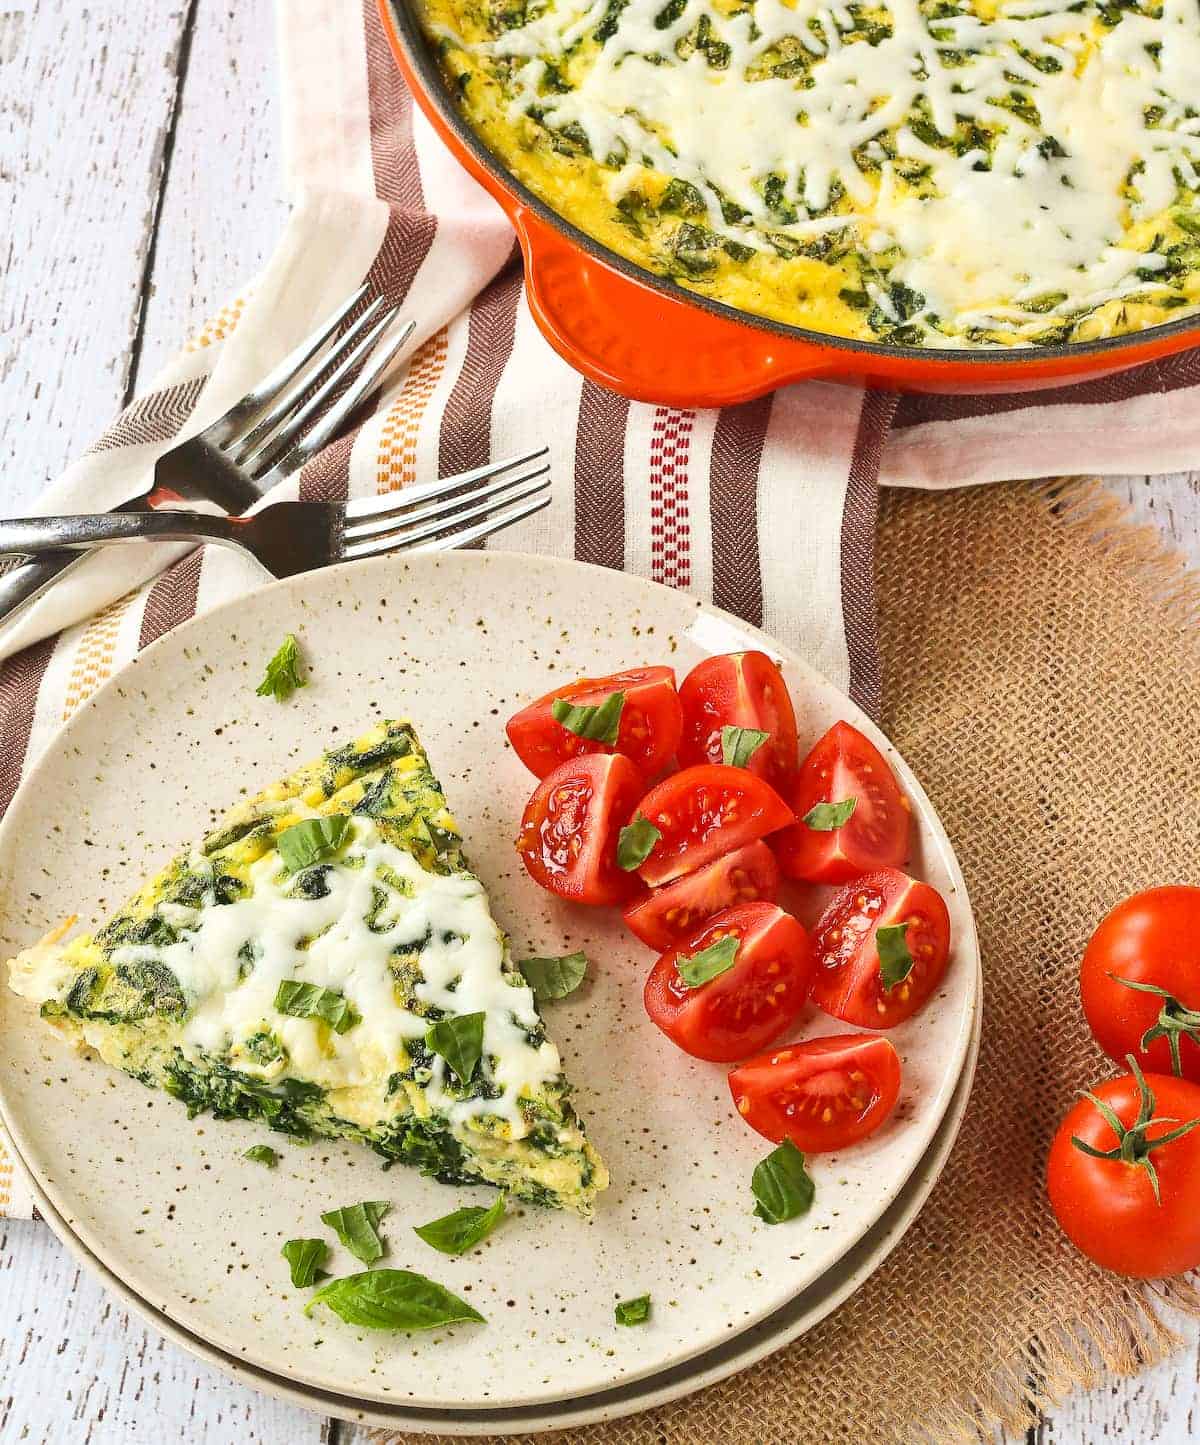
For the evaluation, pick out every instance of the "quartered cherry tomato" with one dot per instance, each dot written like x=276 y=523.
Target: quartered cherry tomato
x=676 y=910
x=822 y=1094
x=703 y=812
x=742 y=689
x=1135 y=1209
x=845 y=766
x=647 y=732
x=852 y=957
x=571 y=826
x=1140 y=981
x=749 y=1004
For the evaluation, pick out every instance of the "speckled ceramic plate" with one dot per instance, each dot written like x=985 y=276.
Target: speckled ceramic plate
x=171 y=1208
x=788 y=1323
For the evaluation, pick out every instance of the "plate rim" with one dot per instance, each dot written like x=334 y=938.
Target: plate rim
x=428 y=1421
x=967 y=941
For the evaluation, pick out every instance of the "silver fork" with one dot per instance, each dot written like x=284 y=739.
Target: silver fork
x=264 y=437
x=292 y=537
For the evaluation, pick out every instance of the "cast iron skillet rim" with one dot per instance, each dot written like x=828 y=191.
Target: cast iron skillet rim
x=421 y=57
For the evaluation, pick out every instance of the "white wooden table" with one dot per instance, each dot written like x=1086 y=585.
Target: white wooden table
x=140 y=184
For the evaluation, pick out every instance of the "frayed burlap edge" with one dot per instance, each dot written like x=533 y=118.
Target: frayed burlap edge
x=1029 y=1373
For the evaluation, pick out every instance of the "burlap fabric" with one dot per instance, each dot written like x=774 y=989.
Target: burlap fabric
x=1042 y=669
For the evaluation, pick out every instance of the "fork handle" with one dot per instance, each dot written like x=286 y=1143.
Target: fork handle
x=52 y=534
x=21 y=586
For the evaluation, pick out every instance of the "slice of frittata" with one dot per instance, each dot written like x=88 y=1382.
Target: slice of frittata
x=325 y=962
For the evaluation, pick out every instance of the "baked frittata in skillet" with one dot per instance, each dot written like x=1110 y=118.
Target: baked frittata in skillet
x=941 y=173
x=325 y=962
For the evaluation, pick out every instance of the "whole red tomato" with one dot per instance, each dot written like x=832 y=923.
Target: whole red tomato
x=1124 y=1174
x=1140 y=981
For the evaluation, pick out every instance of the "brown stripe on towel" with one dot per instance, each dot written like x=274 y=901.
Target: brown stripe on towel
x=859 y=517
x=465 y=439
x=733 y=507
x=600 y=476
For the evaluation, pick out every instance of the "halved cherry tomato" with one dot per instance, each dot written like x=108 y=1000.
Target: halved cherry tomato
x=1107 y=1207
x=742 y=689
x=647 y=734
x=743 y=1009
x=570 y=828
x=848 y=982
x=822 y=1094
x=1141 y=979
x=845 y=765
x=675 y=911
x=704 y=812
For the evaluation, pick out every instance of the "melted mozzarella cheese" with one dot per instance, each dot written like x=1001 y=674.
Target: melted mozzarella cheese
x=1049 y=210
x=329 y=941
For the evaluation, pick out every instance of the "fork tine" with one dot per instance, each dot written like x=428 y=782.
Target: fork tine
x=411 y=536
x=264 y=436
x=442 y=507
x=371 y=375
x=230 y=425
x=393 y=503
x=464 y=538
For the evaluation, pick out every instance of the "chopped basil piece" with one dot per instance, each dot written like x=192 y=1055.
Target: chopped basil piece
x=357 y=1226
x=598 y=724
x=738 y=745
x=262 y=1154
x=464 y=1229
x=310 y=1000
x=304 y=844
x=895 y=961
x=825 y=817
x=781 y=1185
x=305 y=1257
x=392 y=1299
x=459 y=1040
x=283 y=672
x=633 y=1311
x=636 y=842
x=710 y=962
x=554 y=977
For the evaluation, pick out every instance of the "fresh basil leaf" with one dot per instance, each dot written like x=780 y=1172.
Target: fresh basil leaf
x=636 y=842
x=825 y=817
x=554 y=977
x=310 y=1000
x=464 y=1229
x=357 y=1226
x=282 y=677
x=738 y=745
x=262 y=1154
x=311 y=841
x=598 y=724
x=633 y=1311
x=305 y=1258
x=895 y=961
x=709 y=963
x=459 y=1040
x=782 y=1185
x=392 y=1299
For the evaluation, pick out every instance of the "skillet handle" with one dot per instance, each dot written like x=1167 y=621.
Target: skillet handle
x=632 y=339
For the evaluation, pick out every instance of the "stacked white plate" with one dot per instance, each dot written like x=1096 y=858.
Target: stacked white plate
x=188 y=1232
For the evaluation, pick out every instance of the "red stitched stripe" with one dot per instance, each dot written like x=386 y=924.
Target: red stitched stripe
x=670 y=524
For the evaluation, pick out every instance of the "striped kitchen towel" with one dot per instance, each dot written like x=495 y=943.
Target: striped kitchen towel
x=767 y=508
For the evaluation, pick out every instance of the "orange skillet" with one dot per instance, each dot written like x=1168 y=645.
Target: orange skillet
x=639 y=335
